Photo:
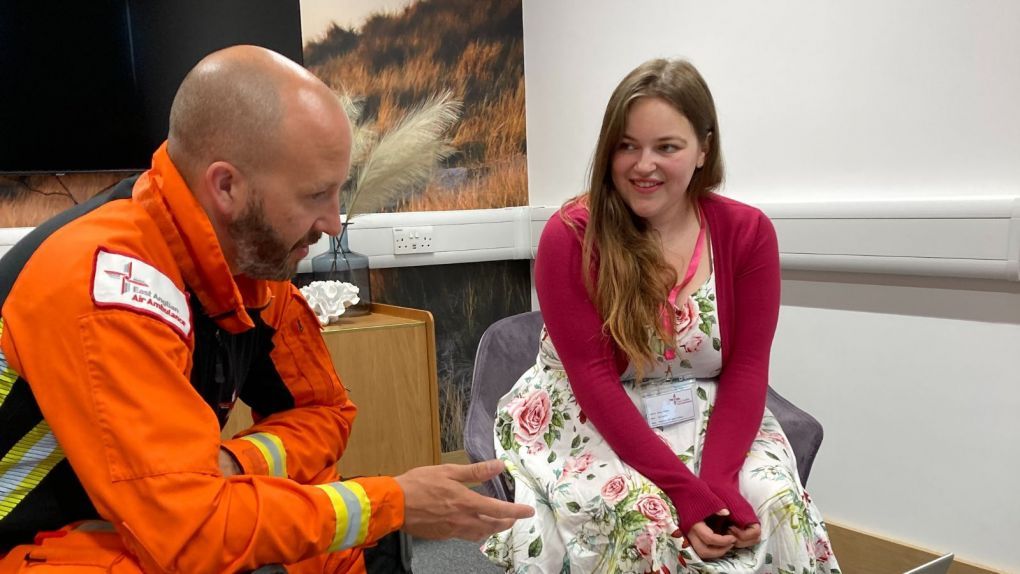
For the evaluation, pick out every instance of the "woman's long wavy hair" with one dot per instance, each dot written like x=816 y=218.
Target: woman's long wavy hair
x=633 y=279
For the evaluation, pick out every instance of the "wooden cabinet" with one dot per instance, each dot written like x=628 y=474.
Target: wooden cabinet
x=387 y=362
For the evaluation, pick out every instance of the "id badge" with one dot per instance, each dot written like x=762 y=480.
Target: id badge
x=668 y=401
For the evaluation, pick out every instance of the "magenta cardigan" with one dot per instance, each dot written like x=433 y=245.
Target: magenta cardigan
x=747 y=281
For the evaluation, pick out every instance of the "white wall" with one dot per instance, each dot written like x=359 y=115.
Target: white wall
x=874 y=97
x=914 y=378
x=916 y=383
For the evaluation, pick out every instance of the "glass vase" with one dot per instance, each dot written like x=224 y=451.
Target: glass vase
x=339 y=263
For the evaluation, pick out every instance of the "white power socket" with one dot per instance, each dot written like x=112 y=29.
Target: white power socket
x=412 y=240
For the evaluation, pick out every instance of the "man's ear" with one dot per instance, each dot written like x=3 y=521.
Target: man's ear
x=228 y=189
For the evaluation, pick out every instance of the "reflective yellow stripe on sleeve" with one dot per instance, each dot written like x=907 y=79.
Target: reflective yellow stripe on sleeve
x=272 y=450
x=353 y=511
x=28 y=462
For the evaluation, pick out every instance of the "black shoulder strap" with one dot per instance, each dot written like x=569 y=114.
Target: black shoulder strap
x=14 y=260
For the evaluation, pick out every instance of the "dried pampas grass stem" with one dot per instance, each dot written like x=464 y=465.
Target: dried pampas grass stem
x=402 y=159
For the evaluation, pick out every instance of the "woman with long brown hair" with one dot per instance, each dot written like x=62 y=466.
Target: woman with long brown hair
x=641 y=435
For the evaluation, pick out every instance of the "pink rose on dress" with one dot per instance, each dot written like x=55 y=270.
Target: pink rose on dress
x=692 y=344
x=654 y=509
x=614 y=489
x=687 y=317
x=579 y=464
x=531 y=416
x=645 y=544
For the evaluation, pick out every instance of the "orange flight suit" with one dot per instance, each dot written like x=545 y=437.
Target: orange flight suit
x=100 y=324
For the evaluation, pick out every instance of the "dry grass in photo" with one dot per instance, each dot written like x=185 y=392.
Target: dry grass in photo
x=27 y=201
x=471 y=49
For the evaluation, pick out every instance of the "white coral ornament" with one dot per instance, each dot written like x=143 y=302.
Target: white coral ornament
x=330 y=299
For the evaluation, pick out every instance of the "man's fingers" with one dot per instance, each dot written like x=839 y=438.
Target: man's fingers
x=438 y=505
x=499 y=509
x=493 y=525
x=477 y=472
x=478 y=526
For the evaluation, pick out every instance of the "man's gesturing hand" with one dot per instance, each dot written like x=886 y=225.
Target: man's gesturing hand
x=437 y=505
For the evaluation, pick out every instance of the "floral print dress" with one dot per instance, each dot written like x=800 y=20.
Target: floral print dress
x=596 y=514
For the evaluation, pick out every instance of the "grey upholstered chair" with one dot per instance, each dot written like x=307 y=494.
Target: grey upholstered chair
x=509 y=347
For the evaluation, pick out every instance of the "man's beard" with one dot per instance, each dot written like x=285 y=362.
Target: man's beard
x=261 y=253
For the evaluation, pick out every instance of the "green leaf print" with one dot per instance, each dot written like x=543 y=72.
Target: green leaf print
x=506 y=437
x=772 y=456
x=705 y=327
x=632 y=521
x=627 y=501
x=552 y=457
x=702 y=394
x=556 y=421
x=716 y=343
x=576 y=442
x=686 y=364
x=549 y=437
x=711 y=296
x=705 y=307
x=573 y=506
x=535 y=548
x=768 y=558
x=687 y=455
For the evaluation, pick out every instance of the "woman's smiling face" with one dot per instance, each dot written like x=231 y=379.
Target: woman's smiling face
x=655 y=160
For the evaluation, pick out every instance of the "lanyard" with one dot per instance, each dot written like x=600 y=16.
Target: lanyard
x=692 y=268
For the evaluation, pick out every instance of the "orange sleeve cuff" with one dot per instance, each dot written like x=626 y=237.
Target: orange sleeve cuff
x=387 y=504
x=365 y=510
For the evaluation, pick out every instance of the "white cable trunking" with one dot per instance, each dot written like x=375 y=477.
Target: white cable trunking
x=966 y=238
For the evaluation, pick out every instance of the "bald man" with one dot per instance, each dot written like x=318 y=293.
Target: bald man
x=132 y=323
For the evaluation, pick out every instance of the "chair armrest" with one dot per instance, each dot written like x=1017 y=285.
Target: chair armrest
x=803 y=431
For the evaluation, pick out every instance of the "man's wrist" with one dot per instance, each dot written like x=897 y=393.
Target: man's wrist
x=228 y=464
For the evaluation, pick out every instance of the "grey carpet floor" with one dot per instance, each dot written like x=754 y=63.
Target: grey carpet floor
x=450 y=557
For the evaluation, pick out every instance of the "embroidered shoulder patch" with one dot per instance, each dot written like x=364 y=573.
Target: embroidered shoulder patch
x=126 y=282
